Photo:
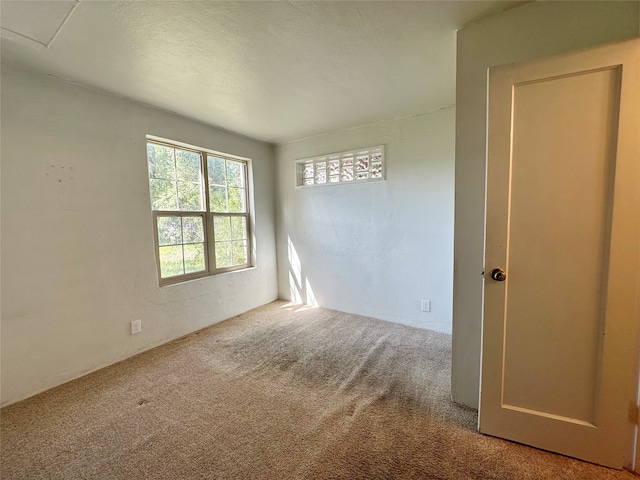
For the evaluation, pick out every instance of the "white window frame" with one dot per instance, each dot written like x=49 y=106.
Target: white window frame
x=320 y=164
x=206 y=214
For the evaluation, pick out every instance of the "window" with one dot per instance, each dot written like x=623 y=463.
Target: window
x=201 y=214
x=354 y=166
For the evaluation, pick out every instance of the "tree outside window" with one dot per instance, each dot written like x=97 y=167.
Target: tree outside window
x=200 y=211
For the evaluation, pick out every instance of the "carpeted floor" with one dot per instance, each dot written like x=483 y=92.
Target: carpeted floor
x=271 y=394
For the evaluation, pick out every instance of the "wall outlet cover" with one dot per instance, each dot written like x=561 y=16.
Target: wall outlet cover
x=426 y=305
x=136 y=326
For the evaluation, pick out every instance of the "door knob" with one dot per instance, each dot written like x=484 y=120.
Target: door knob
x=498 y=275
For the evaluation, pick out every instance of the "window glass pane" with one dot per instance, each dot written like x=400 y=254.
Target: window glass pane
x=308 y=181
x=238 y=228
x=347 y=173
x=218 y=199
x=194 y=258
x=169 y=231
x=187 y=166
x=161 y=162
x=334 y=167
x=321 y=172
x=216 y=167
x=192 y=230
x=308 y=170
x=163 y=194
x=363 y=163
x=237 y=200
x=222 y=228
x=376 y=169
x=177 y=184
x=189 y=196
x=235 y=174
x=362 y=175
x=334 y=179
x=347 y=161
x=239 y=252
x=171 y=261
x=223 y=254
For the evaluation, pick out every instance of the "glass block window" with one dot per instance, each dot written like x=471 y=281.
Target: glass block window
x=200 y=204
x=354 y=166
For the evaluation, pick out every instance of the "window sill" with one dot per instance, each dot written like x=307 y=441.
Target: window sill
x=206 y=277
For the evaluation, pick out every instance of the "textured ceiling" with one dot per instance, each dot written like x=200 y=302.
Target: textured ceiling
x=274 y=71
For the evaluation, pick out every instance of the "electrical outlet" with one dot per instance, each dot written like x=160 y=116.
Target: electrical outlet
x=426 y=305
x=136 y=326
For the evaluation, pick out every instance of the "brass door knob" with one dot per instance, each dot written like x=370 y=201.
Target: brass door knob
x=498 y=275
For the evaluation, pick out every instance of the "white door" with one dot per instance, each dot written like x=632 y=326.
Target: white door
x=563 y=220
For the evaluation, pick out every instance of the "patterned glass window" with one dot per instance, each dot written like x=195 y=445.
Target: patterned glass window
x=354 y=166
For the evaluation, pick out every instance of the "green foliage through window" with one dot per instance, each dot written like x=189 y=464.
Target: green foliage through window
x=191 y=198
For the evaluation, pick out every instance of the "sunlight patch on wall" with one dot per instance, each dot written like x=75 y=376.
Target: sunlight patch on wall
x=301 y=293
x=294 y=290
x=311 y=298
x=294 y=262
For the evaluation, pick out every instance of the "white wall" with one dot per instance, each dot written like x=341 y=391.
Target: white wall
x=533 y=30
x=376 y=248
x=78 y=258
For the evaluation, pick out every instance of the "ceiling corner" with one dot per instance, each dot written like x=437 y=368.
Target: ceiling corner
x=35 y=23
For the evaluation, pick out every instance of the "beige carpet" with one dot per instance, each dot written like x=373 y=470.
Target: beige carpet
x=271 y=394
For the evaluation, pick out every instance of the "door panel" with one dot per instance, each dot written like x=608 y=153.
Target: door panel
x=563 y=221
x=558 y=241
